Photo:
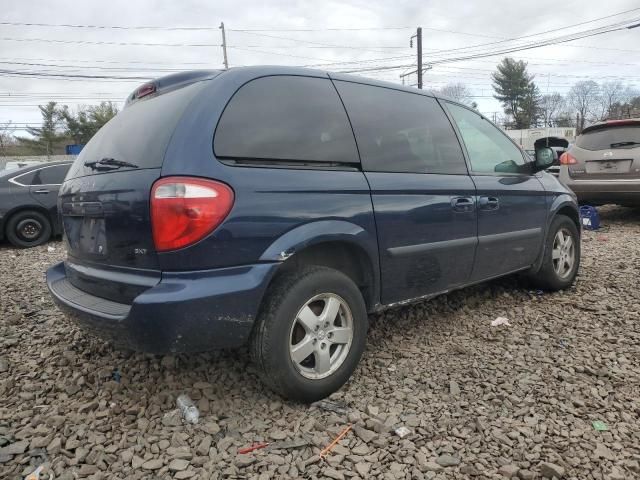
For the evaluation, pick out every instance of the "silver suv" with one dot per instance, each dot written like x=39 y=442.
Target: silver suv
x=603 y=166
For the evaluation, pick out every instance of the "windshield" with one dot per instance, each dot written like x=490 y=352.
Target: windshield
x=627 y=136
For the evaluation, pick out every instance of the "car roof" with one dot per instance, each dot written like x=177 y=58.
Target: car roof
x=256 y=71
x=262 y=70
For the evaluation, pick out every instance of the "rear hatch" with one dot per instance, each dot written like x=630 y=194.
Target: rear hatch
x=104 y=200
x=609 y=151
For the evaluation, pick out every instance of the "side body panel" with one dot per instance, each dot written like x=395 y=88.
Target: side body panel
x=426 y=246
x=275 y=209
x=510 y=231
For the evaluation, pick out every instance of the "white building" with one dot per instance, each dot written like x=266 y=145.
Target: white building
x=526 y=138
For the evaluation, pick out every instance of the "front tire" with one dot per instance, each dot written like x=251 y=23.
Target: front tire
x=310 y=334
x=561 y=256
x=28 y=229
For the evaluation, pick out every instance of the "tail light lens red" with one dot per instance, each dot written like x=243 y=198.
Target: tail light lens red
x=567 y=159
x=184 y=210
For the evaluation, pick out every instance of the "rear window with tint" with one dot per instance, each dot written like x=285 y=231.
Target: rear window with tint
x=608 y=138
x=139 y=134
x=286 y=118
x=400 y=131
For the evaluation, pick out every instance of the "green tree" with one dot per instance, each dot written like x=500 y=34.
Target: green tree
x=86 y=121
x=46 y=136
x=517 y=93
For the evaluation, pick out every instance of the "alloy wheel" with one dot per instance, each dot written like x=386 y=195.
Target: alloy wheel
x=321 y=336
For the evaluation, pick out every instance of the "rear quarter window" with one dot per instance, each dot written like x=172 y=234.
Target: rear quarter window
x=53 y=175
x=286 y=118
x=607 y=138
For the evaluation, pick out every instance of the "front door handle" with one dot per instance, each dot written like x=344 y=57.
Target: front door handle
x=462 y=204
x=489 y=203
x=42 y=191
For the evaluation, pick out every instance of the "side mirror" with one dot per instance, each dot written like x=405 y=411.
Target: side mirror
x=544 y=159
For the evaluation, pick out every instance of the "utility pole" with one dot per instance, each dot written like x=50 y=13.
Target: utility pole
x=419 y=42
x=419 y=71
x=224 y=46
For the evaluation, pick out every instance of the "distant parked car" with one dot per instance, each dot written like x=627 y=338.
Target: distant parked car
x=28 y=203
x=603 y=166
x=279 y=206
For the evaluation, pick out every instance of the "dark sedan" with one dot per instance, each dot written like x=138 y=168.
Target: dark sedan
x=28 y=203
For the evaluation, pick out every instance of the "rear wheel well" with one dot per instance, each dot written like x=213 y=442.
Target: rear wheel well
x=572 y=214
x=349 y=259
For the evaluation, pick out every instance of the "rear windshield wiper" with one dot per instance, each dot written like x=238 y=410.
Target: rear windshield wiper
x=623 y=144
x=109 y=164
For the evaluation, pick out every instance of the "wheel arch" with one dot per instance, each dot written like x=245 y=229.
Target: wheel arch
x=562 y=205
x=337 y=244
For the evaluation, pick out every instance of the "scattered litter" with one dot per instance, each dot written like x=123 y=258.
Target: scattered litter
x=255 y=446
x=51 y=249
x=36 y=474
x=603 y=238
x=329 y=447
x=536 y=292
x=563 y=342
x=599 y=426
x=500 y=321
x=335 y=407
x=116 y=375
x=189 y=411
x=289 y=444
x=402 y=431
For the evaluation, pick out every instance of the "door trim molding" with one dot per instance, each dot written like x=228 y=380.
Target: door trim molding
x=421 y=248
x=515 y=235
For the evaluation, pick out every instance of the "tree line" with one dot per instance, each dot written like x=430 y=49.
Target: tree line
x=60 y=126
x=586 y=102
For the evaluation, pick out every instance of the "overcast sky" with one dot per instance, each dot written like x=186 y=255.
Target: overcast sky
x=373 y=33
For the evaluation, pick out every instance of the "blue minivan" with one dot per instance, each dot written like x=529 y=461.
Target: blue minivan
x=277 y=207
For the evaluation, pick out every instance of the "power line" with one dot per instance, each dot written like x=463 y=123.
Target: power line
x=196 y=28
x=88 y=42
x=532 y=45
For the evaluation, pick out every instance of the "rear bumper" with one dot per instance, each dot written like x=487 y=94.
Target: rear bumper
x=601 y=191
x=607 y=191
x=184 y=312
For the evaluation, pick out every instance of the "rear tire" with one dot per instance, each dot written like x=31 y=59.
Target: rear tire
x=310 y=334
x=28 y=228
x=561 y=256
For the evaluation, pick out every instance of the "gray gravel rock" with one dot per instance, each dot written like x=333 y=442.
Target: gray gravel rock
x=153 y=464
x=15 y=448
x=526 y=395
x=550 y=470
x=178 y=464
x=509 y=471
x=446 y=460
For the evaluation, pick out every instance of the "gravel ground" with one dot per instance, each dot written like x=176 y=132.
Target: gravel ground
x=478 y=401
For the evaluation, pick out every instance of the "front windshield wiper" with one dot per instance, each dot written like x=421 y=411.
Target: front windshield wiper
x=623 y=144
x=109 y=164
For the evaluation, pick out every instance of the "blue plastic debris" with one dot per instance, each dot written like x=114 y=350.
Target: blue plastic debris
x=589 y=217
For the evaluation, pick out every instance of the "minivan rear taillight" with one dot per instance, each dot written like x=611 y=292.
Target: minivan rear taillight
x=185 y=210
x=567 y=159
